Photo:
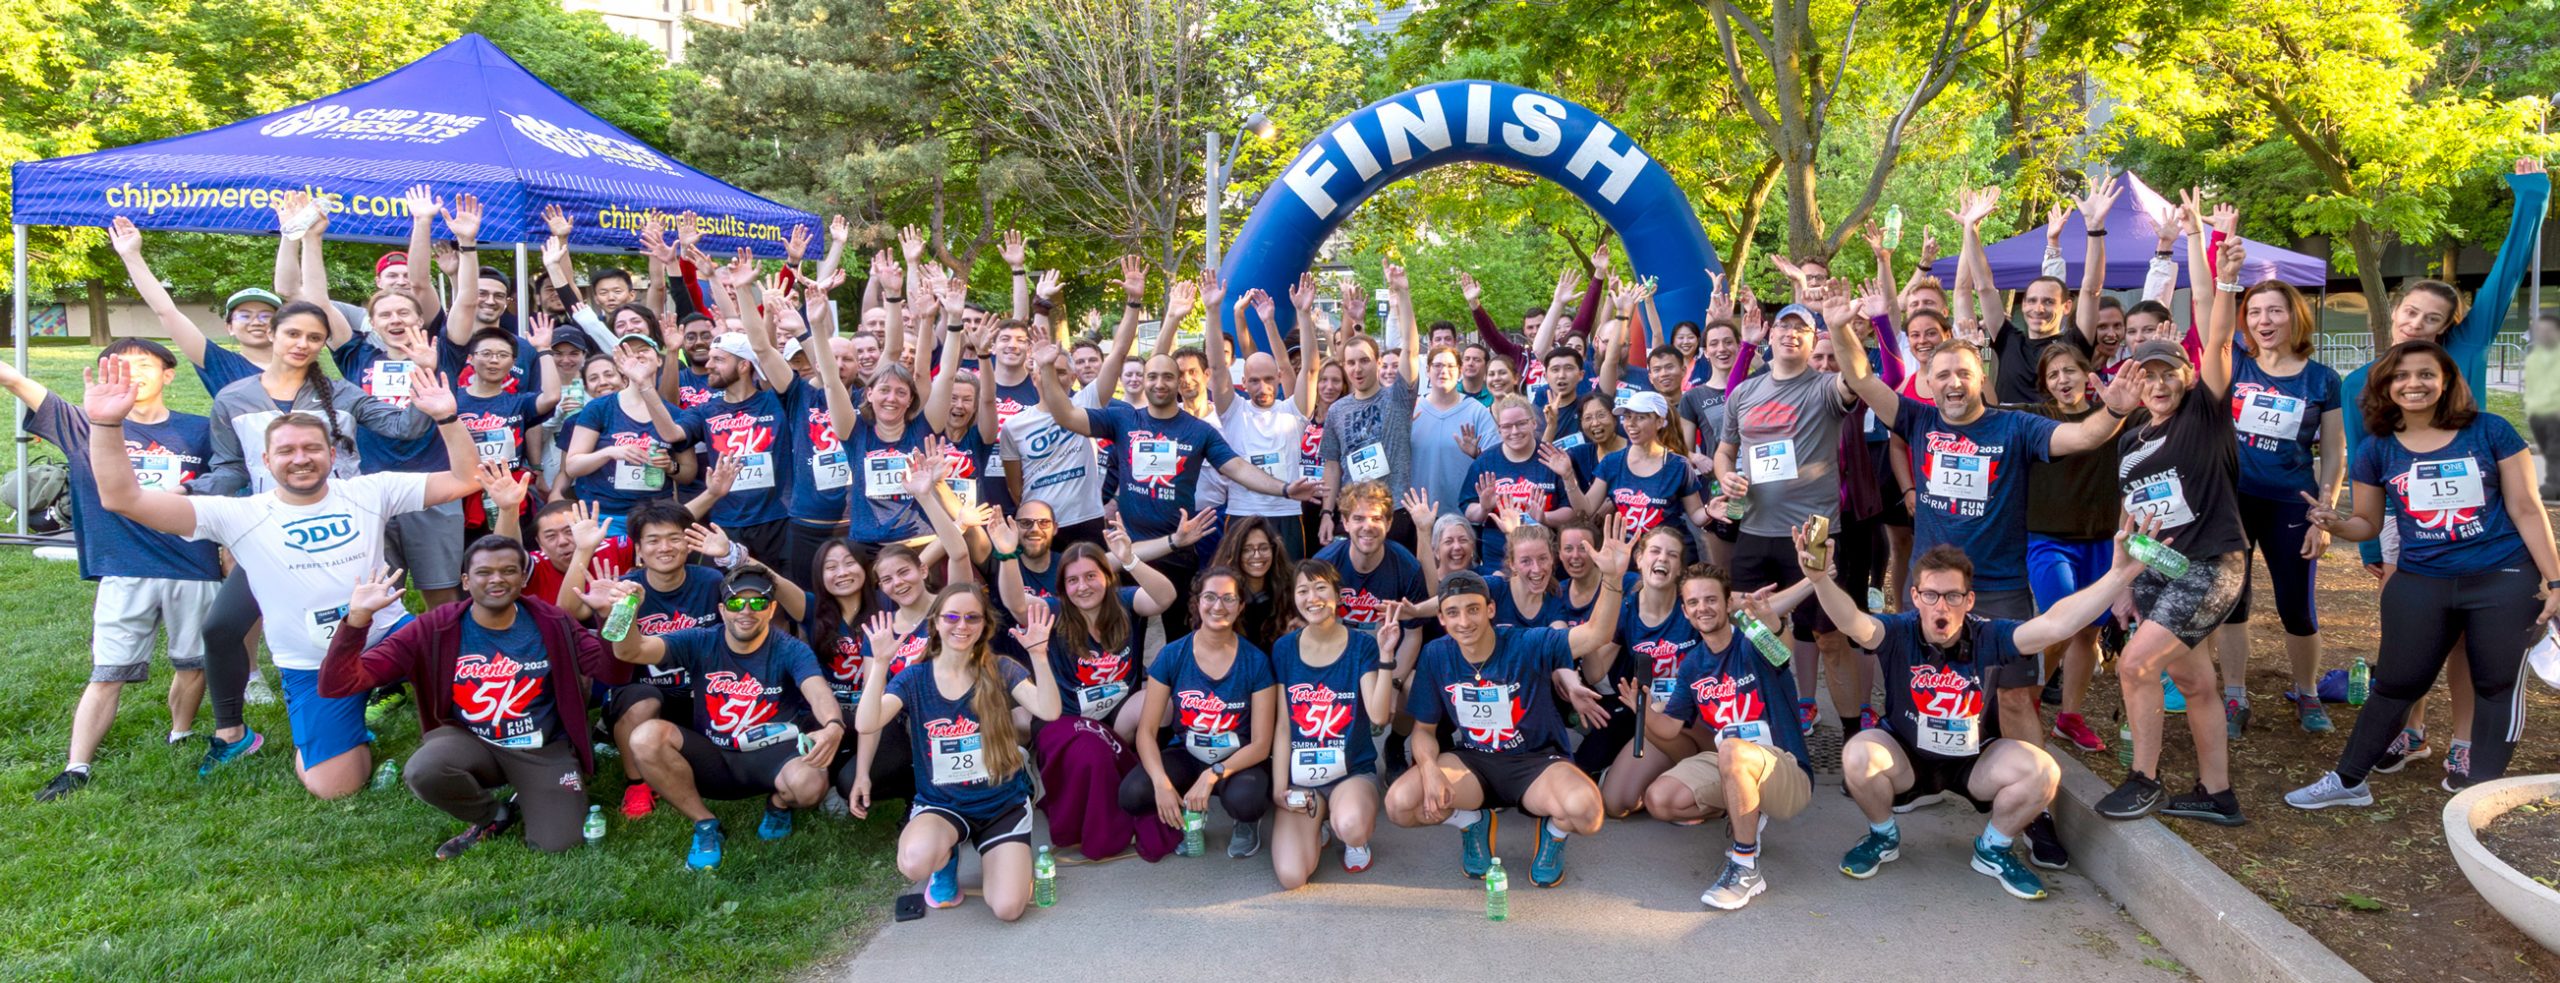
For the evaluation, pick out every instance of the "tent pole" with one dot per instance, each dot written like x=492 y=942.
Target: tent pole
x=524 y=308
x=18 y=333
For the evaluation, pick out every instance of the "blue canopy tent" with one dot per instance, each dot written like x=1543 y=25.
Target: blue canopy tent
x=2018 y=260
x=464 y=119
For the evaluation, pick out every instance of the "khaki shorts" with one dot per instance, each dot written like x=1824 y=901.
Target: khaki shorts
x=130 y=614
x=1785 y=789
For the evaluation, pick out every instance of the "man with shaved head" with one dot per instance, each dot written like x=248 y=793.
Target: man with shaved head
x=1267 y=427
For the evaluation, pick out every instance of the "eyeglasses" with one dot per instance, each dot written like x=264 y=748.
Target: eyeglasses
x=1940 y=597
x=956 y=619
x=1037 y=523
x=747 y=603
x=1221 y=600
x=254 y=317
x=1261 y=548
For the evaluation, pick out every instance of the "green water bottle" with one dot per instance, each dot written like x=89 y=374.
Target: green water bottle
x=2124 y=745
x=1044 y=878
x=2157 y=555
x=573 y=396
x=1893 y=227
x=388 y=775
x=595 y=825
x=618 y=623
x=1771 y=648
x=1194 y=840
x=2359 y=682
x=1497 y=892
x=654 y=478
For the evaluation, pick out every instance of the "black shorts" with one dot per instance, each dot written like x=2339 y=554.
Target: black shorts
x=1506 y=777
x=1929 y=776
x=720 y=773
x=673 y=707
x=1770 y=561
x=1012 y=824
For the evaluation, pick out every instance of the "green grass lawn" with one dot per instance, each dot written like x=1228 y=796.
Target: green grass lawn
x=151 y=873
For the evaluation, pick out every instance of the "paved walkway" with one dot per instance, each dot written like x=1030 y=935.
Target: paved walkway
x=1629 y=905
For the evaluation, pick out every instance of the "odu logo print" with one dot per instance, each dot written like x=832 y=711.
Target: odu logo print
x=320 y=533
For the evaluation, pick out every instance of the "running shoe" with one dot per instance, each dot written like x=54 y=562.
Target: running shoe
x=1875 y=850
x=1355 y=858
x=63 y=784
x=476 y=832
x=2329 y=791
x=1920 y=802
x=1476 y=845
x=2235 y=718
x=2075 y=728
x=1734 y=887
x=2457 y=766
x=1547 y=868
x=707 y=842
x=2315 y=718
x=384 y=709
x=2136 y=798
x=2219 y=808
x=219 y=752
x=638 y=800
x=258 y=693
x=2171 y=701
x=2002 y=865
x=942 y=890
x=1867 y=717
x=2044 y=844
x=1245 y=841
x=177 y=737
x=2409 y=746
x=776 y=823
x=834 y=805
x=1806 y=714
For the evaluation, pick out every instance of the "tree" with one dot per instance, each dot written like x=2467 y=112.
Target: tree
x=2345 y=86
x=614 y=75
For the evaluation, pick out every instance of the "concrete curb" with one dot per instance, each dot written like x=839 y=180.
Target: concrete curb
x=2215 y=926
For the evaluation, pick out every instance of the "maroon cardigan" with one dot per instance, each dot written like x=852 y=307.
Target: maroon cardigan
x=423 y=652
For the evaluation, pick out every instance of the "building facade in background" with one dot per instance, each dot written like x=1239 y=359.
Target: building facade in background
x=662 y=22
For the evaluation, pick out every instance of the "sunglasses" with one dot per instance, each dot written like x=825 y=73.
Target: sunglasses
x=963 y=619
x=747 y=603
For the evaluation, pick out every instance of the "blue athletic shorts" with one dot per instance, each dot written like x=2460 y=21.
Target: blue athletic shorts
x=323 y=728
x=2057 y=568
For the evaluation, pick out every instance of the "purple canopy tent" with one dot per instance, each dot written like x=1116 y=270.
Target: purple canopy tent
x=2019 y=259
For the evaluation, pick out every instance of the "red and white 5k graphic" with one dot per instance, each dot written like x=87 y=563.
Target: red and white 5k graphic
x=739 y=433
x=1320 y=713
x=1360 y=607
x=1665 y=656
x=488 y=691
x=907 y=651
x=1205 y=713
x=1722 y=702
x=735 y=702
x=1944 y=693
x=1636 y=508
x=822 y=431
x=844 y=663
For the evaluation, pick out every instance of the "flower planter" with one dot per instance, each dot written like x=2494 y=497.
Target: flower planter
x=2525 y=902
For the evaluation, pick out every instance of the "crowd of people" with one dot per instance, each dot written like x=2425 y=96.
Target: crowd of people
x=991 y=563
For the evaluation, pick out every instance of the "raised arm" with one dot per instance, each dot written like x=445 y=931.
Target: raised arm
x=1133 y=291
x=423 y=206
x=1862 y=628
x=182 y=329
x=108 y=400
x=2056 y=624
x=2215 y=367
x=2093 y=257
x=1407 y=325
x=1601 y=629
x=463 y=220
x=1303 y=297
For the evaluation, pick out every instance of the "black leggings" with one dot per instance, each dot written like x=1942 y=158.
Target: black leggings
x=1860 y=545
x=2277 y=528
x=1245 y=793
x=227 y=665
x=2421 y=616
x=1600 y=746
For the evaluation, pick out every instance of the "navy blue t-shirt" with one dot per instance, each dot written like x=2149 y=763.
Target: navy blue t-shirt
x=2277 y=419
x=1470 y=699
x=1506 y=611
x=1159 y=464
x=878 y=504
x=387 y=378
x=1664 y=645
x=164 y=455
x=820 y=474
x=1646 y=501
x=1936 y=702
x=1211 y=713
x=694 y=603
x=497 y=423
x=1531 y=485
x=738 y=700
x=1973 y=485
x=1321 y=707
x=1091 y=682
x=950 y=729
x=748 y=430
x=502 y=685
x=618 y=487
x=1398 y=577
x=1739 y=695
x=222 y=367
x=2448 y=502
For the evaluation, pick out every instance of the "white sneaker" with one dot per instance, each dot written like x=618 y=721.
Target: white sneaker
x=2328 y=791
x=258 y=694
x=834 y=805
x=1355 y=858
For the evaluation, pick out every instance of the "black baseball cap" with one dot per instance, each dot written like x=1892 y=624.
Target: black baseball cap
x=747 y=577
x=1465 y=582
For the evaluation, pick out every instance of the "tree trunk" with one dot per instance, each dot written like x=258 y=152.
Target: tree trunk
x=2366 y=243
x=98 y=333
x=1804 y=213
x=1747 y=226
x=2452 y=268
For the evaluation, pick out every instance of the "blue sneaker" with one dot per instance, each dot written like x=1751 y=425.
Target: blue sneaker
x=1476 y=845
x=219 y=752
x=2171 y=701
x=1872 y=852
x=707 y=841
x=2003 y=866
x=942 y=890
x=1547 y=869
x=776 y=823
x=2315 y=718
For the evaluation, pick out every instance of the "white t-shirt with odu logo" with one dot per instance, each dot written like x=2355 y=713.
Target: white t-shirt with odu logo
x=303 y=560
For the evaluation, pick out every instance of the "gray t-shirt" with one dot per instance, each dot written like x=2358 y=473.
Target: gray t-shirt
x=1363 y=434
x=1439 y=464
x=1786 y=437
x=1703 y=407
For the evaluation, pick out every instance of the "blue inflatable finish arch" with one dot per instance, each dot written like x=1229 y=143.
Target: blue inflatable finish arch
x=1452 y=122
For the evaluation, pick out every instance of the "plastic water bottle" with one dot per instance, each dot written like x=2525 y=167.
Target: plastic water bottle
x=618 y=624
x=1893 y=227
x=2124 y=745
x=595 y=825
x=1771 y=648
x=1194 y=839
x=388 y=775
x=2359 y=682
x=654 y=478
x=1044 y=878
x=2157 y=555
x=1497 y=893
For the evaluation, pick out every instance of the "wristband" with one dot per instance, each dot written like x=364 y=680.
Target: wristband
x=2096 y=233
x=2228 y=287
x=1135 y=305
x=1002 y=557
x=118 y=425
x=900 y=299
x=953 y=327
x=2162 y=254
x=1021 y=271
x=450 y=418
x=2551 y=585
